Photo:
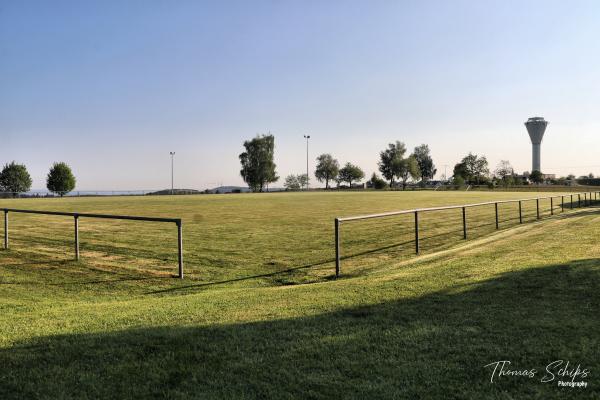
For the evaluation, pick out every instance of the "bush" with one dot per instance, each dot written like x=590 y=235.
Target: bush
x=377 y=183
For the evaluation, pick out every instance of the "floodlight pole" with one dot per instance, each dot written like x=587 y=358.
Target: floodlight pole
x=307 y=137
x=172 y=153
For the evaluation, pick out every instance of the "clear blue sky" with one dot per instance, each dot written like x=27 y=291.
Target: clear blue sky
x=111 y=87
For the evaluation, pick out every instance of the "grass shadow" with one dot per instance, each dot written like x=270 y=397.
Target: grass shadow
x=434 y=346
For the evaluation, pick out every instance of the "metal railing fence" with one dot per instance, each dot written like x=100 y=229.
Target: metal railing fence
x=76 y=217
x=586 y=198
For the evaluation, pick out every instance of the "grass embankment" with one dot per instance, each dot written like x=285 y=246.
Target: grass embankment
x=420 y=328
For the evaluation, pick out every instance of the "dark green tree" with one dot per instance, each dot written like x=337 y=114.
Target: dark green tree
x=473 y=169
x=536 y=176
x=60 y=179
x=409 y=168
x=427 y=169
x=258 y=167
x=327 y=169
x=390 y=161
x=350 y=173
x=15 y=179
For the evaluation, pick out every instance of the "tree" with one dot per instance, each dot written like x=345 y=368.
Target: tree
x=458 y=180
x=505 y=172
x=390 y=161
x=60 y=179
x=427 y=169
x=14 y=178
x=377 y=182
x=409 y=168
x=473 y=169
x=258 y=167
x=303 y=180
x=350 y=173
x=291 y=182
x=327 y=169
x=536 y=176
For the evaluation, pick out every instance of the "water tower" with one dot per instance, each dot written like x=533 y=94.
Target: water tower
x=536 y=126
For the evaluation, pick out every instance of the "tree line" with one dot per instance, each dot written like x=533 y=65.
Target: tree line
x=15 y=179
x=258 y=167
x=396 y=166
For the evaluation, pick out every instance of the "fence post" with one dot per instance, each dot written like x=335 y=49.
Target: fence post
x=537 y=205
x=520 y=213
x=417 y=232
x=579 y=200
x=464 y=215
x=337 y=247
x=551 y=205
x=571 y=202
x=180 y=248
x=496 y=207
x=5 y=229
x=562 y=203
x=76 y=219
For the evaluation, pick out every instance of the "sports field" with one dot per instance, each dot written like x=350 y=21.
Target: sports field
x=260 y=315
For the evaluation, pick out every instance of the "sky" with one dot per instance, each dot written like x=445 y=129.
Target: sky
x=111 y=87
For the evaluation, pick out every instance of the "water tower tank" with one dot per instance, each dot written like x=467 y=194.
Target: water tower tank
x=536 y=126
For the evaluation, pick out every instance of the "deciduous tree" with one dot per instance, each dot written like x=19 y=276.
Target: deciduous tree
x=258 y=167
x=14 y=178
x=60 y=179
x=426 y=167
x=327 y=169
x=351 y=173
x=291 y=182
x=536 y=176
x=409 y=168
x=390 y=161
x=472 y=168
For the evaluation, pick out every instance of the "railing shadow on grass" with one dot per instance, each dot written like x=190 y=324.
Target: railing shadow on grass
x=439 y=333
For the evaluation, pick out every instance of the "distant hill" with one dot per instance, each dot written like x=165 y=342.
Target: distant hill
x=174 y=191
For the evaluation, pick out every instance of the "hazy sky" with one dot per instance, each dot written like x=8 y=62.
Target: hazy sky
x=112 y=87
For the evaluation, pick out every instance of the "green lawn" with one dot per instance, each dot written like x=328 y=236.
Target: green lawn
x=260 y=316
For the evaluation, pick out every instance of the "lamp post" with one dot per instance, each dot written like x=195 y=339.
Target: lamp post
x=172 y=153
x=307 y=137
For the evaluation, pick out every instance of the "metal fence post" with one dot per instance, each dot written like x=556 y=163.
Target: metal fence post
x=417 y=232
x=496 y=207
x=76 y=219
x=537 y=205
x=180 y=248
x=520 y=212
x=337 y=247
x=464 y=215
x=551 y=205
x=5 y=229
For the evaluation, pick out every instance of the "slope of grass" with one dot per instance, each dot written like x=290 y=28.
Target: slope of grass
x=396 y=327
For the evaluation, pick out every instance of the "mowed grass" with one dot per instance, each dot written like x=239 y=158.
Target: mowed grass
x=260 y=316
x=239 y=236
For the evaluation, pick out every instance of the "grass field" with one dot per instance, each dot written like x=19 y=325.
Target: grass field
x=259 y=314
